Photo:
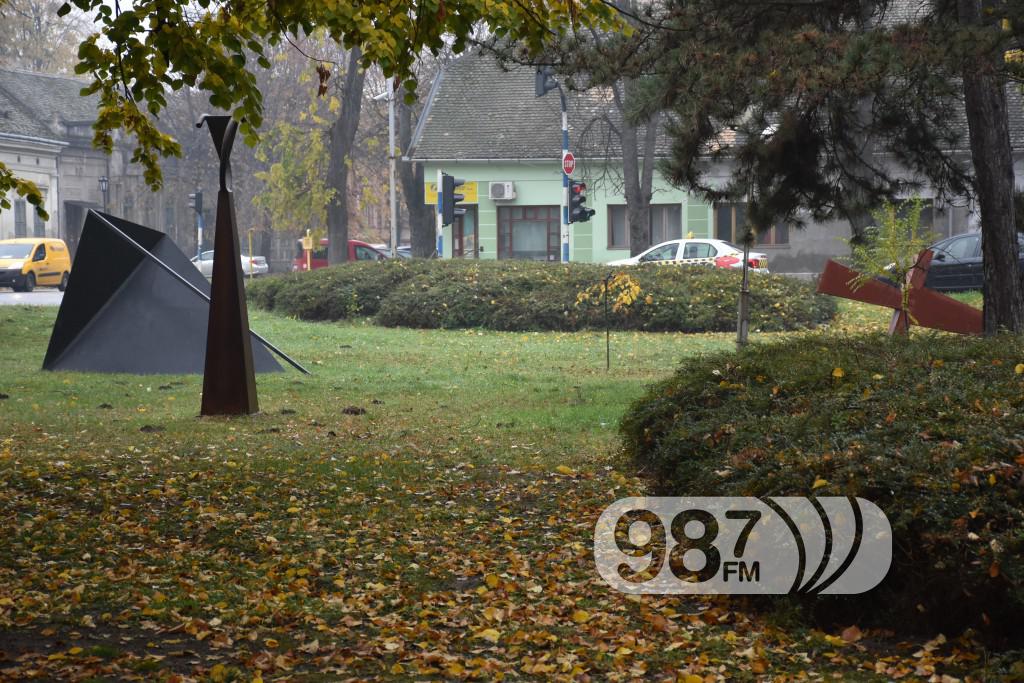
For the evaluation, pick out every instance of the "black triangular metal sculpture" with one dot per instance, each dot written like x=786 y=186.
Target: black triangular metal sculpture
x=229 y=381
x=134 y=304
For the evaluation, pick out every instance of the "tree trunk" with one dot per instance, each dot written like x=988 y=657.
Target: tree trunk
x=421 y=216
x=637 y=175
x=987 y=120
x=342 y=137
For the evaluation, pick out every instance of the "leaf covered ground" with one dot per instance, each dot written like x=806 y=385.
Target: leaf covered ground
x=444 y=533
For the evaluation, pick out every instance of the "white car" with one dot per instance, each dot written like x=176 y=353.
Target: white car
x=716 y=253
x=251 y=265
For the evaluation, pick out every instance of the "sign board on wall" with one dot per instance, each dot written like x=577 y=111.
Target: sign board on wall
x=468 y=190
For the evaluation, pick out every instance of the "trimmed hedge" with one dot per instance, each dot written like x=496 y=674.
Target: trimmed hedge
x=518 y=295
x=931 y=430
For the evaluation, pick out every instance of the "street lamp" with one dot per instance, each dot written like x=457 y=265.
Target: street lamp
x=104 y=186
x=389 y=95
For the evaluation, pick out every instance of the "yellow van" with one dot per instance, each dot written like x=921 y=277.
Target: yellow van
x=30 y=261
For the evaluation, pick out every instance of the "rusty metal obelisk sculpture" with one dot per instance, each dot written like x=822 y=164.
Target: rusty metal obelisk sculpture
x=229 y=382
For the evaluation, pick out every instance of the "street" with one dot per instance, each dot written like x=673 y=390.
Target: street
x=40 y=297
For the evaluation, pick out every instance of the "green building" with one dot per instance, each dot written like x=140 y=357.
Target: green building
x=484 y=124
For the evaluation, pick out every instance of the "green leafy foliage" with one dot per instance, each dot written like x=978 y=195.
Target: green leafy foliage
x=142 y=50
x=890 y=248
x=517 y=295
x=929 y=429
x=295 y=193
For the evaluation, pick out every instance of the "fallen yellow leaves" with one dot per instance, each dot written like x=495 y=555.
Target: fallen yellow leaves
x=491 y=635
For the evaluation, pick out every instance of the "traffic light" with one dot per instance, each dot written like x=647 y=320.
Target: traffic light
x=544 y=81
x=449 y=199
x=195 y=201
x=578 y=212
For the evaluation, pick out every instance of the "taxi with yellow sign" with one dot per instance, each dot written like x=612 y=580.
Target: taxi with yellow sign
x=697 y=252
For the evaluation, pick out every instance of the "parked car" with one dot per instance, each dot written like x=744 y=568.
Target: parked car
x=404 y=250
x=697 y=252
x=357 y=251
x=956 y=265
x=28 y=262
x=251 y=265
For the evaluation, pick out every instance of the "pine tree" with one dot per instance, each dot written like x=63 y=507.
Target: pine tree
x=800 y=101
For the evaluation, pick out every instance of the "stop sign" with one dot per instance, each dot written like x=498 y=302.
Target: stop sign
x=568 y=163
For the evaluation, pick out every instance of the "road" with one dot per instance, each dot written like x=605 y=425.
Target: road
x=39 y=297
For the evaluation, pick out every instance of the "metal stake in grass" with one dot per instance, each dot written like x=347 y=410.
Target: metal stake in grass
x=607 y=327
x=743 y=322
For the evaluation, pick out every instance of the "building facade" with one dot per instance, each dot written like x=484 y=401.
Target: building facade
x=46 y=137
x=483 y=123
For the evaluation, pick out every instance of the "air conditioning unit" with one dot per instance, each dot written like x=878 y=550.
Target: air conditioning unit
x=502 y=190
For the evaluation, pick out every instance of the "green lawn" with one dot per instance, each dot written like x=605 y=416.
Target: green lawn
x=444 y=533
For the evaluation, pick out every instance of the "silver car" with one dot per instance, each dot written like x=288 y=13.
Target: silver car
x=251 y=265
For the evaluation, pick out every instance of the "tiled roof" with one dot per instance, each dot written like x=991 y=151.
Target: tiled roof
x=15 y=120
x=479 y=109
x=36 y=103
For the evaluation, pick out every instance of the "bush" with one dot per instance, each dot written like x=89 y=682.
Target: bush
x=929 y=429
x=518 y=295
x=349 y=291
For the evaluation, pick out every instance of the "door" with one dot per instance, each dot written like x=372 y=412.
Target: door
x=45 y=272
x=466 y=235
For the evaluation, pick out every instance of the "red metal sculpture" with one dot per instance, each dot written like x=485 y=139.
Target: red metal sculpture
x=926 y=307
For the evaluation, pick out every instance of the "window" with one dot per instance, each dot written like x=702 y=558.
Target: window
x=731 y=226
x=665 y=223
x=618 y=229
x=699 y=250
x=529 y=232
x=40 y=254
x=777 y=236
x=38 y=224
x=964 y=247
x=20 y=223
x=665 y=253
x=365 y=253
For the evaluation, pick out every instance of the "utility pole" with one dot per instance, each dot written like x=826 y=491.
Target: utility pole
x=391 y=167
x=544 y=83
x=440 y=214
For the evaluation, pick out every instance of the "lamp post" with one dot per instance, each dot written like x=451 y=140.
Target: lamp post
x=389 y=95
x=104 y=186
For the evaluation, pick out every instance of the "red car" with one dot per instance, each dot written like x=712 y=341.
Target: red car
x=357 y=251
